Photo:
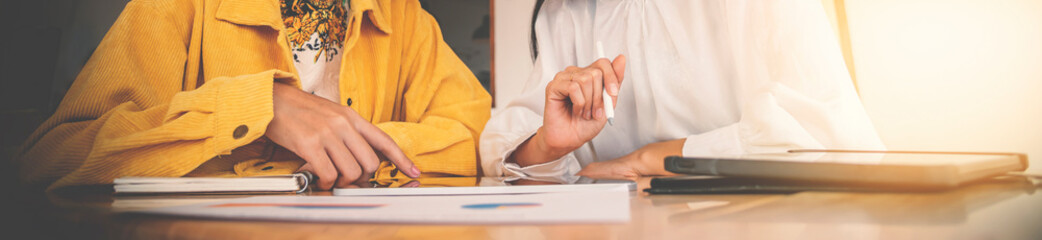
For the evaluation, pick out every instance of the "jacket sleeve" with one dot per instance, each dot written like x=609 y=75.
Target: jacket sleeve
x=126 y=113
x=796 y=91
x=444 y=106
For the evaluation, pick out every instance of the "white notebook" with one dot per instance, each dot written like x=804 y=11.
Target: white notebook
x=296 y=182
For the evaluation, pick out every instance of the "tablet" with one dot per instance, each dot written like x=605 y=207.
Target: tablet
x=690 y=184
x=874 y=168
x=479 y=186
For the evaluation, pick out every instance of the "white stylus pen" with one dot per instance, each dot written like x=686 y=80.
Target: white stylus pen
x=609 y=108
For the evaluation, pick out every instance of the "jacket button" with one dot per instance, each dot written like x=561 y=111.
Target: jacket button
x=240 y=131
x=349 y=102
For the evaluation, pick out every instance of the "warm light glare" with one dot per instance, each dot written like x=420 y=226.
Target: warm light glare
x=951 y=75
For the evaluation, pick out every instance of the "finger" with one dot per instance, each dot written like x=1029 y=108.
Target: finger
x=611 y=81
x=619 y=65
x=565 y=95
x=575 y=94
x=557 y=89
x=360 y=148
x=595 y=84
x=382 y=142
x=367 y=137
x=597 y=105
x=314 y=177
x=564 y=100
x=608 y=170
x=591 y=171
x=321 y=166
x=585 y=80
x=307 y=168
x=345 y=162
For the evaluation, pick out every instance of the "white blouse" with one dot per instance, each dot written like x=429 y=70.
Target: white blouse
x=730 y=77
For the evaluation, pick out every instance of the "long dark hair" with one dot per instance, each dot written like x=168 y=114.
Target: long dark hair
x=535 y=13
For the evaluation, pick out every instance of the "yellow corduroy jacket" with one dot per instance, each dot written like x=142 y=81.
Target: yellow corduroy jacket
x=173 y=80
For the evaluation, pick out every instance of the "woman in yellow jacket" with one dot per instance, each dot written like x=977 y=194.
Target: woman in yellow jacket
x=213 y=88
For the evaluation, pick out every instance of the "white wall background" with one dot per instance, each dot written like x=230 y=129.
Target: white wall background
x=933 y=74
x=513 y=52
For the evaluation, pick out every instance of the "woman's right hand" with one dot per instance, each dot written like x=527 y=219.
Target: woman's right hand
x=337 y=143
x=573 y=112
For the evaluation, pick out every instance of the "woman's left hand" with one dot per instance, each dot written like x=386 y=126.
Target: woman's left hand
x=646 y=161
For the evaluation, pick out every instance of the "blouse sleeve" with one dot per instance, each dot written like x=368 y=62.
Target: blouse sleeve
x=795 y=89
x=521 y=118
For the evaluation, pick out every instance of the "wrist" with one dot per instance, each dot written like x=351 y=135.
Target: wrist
x=545 y=150
x=535 y=150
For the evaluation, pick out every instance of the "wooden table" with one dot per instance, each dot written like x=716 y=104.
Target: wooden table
x=1002 y=208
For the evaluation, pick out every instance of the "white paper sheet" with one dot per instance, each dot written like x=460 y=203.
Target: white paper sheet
x=608 y=205
x=480 y=190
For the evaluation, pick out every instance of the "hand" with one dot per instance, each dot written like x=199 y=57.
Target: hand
x=337 y=144
x=646 y=161
x=574 y=111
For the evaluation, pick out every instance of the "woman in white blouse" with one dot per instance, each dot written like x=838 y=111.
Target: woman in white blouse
x=691 y=78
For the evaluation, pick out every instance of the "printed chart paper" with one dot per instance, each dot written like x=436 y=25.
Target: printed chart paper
x=610 y=205
x=479 y=190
